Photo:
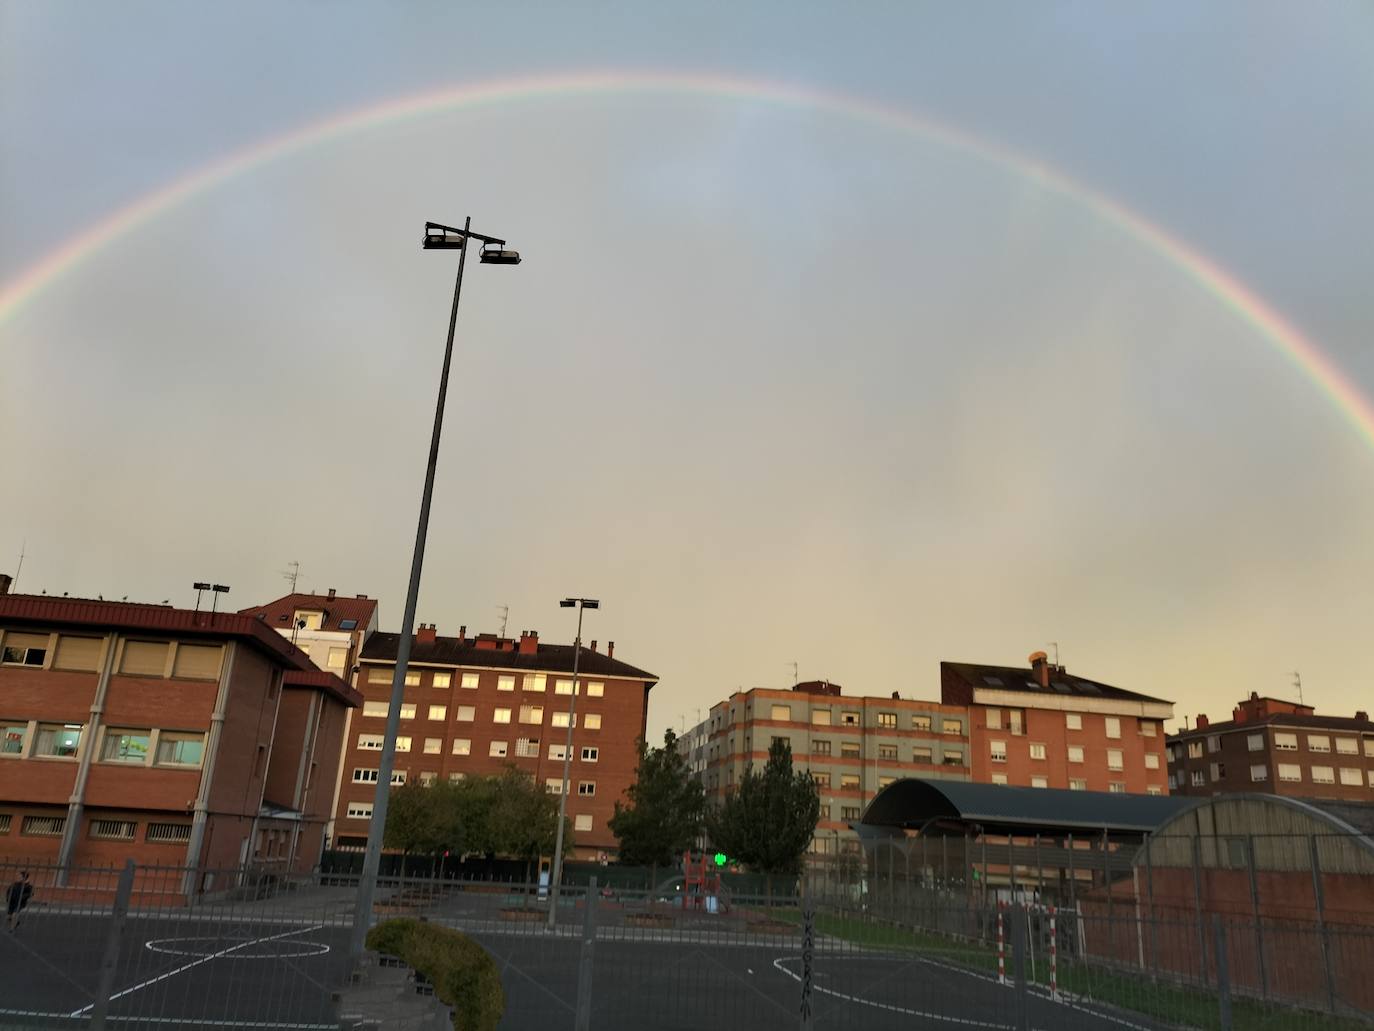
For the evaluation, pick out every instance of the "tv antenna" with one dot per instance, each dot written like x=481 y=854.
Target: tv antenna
x=505 y=617
x=292 y=573
x=796 y=677
x=14 y=584
x=1297 y=683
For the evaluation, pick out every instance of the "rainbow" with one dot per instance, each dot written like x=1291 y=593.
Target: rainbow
x=1301 y=353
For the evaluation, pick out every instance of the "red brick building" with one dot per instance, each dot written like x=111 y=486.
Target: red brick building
x=475 y=704
x=164 y=735
x=1276 y=747
x=1042 y=727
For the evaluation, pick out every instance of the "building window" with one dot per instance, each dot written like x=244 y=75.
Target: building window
x=560 y=719
x=1318 y=743
x=456 y=776
x=590 y=754
x=1369 y=747
x=887 y=752
x=1285 y=742
x=998 y=751
x=849 y=749
x=433 y=745
x=820 y=747
x=398 y=777
x=114 y=830
x=849 y=719
x=197 y=661
x=380 y=675
x=337 y=660
x=469 y=681
x=364 y=776
x=402 y=743
x=953 y=727
x=586 y=788
x=412 y=679
x=1259 y=773
x=58 y=740
x=920 y=723
x=427 y=777
x=533 y=682
x=142 y=658
x=1195 y=749
x=1037 y=750
x=126 y=746
x=375 y=709
x=1323 y=775
x=1078 y=784
x=532 y=714
x=466 y=713
x=1347 y=746
x=1151 y=760
x=360 y=810
x=43 y=826
x=1075 y=753
x=1073 y=721
x=821 y=717
x=1290 y=773
x=887 y=720
x=921 y=754
x=558 y=752
x=1218 y=772
x=168 y=833
x=1351 y=776
x=781 y=712
x=593 y=721
x=1148 y=728
x=582 y=822
x=309 y=620
x=407 y=711
x=462 y=746
x=79 y=654
x=1255 y=742
x=180 y=749
x=563 y=687
x=999 y=778
x=1113 y=726
x=12 y=734
x=1117 y=787
x=885 y=781
x=1040 y=782
x=994 y=719
x=442 y=680
x=438 y=712
x=850 y=812
x=1113 y=758
x=953 y=757
x=849 y=781
x=497 y=750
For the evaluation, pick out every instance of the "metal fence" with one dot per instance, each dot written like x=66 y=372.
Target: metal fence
x=133 y=948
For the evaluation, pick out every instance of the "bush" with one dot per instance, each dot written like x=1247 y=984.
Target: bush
x=463 y=974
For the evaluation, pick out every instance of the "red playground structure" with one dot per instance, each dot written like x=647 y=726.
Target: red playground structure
x=700 y=883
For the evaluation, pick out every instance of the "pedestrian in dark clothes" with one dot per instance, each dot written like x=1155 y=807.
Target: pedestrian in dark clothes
x=17 y=898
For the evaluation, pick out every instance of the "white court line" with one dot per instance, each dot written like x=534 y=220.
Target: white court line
x=203 y=959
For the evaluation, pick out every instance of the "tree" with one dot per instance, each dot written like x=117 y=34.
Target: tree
x=768 y=821
x=424 y=819
x=665 y=811
x=523 y=818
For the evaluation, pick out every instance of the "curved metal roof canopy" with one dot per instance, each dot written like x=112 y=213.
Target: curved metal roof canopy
x=914 y=804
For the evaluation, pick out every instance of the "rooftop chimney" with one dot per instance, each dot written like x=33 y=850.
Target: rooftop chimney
x=529 y=642
x=5 y=581
x=462 y=634
x=1040 y=665
x=363 y=597
x=1202 y=723
x=331 y=594
x=593 y=644
x=610 y=649
x=1360 y=714
x=426 y=634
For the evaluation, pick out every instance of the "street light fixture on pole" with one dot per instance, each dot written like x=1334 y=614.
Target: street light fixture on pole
x=581 y=604
x=494 y=252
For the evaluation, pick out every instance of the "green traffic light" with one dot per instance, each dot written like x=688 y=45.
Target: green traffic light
x=721 y=859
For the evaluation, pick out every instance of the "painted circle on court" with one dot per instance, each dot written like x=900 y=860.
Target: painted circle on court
x=235 y=948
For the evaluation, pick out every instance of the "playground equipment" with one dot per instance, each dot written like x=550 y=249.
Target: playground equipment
x=700 y=882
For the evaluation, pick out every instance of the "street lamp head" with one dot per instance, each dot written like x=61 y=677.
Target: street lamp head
x=499 y=256
x=586 y=603
x=567 y=603
x=440 y=238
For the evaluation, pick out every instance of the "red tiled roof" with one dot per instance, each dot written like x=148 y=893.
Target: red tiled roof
x=156 y=619
x=1023 y=679
x=318 y=679
x=336 y=609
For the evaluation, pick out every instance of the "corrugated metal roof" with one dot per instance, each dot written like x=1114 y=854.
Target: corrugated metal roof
x=915 y=802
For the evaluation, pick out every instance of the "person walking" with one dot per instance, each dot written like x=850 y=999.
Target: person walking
x=17 y=898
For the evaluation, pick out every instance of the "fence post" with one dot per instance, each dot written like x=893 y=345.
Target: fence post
x=1001 y=947
x=1150 y=894
x=113 y=938
x=808 y=949
x=1197 y=909
x=1255 y=915
x=583 y=1019
x=1018 y=961
x=1320 y=898
x=1223 y=973
x=1054 y=957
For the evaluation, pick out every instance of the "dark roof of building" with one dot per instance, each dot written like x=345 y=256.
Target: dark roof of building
x=914 y=803
x=1022 y=678
x=338 y=609
x=99 y=616
x=550 y=658
x=1281 y=719
x=319 y=680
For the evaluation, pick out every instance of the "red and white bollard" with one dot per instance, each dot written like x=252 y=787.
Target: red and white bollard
x=1054 y=958
x=1001 y=947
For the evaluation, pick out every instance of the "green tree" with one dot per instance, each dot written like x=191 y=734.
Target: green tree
x=424 y=819
x=768 y=821
x=666 y=808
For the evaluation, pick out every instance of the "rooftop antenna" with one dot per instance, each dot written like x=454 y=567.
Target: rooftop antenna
x=14 y=584
x=293 y=574
x=796 y=677
x=1297 y=683
x=505 y=617
x=1055 y=646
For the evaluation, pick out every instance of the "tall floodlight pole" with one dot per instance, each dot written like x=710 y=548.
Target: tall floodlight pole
x=437 y=237
x=582 y=605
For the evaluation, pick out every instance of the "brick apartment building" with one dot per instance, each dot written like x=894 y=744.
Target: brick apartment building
x=1277 y=747
x=164 y=735
x=1041 y=727
x=853 y=746
x=475 y=704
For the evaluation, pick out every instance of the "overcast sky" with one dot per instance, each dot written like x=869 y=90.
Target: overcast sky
x=774 y=383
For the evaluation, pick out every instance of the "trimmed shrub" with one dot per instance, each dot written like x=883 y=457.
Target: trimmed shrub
x=463 y=974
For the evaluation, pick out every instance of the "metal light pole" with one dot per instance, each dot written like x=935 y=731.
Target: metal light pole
x=437 y=237
x=582 y=605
